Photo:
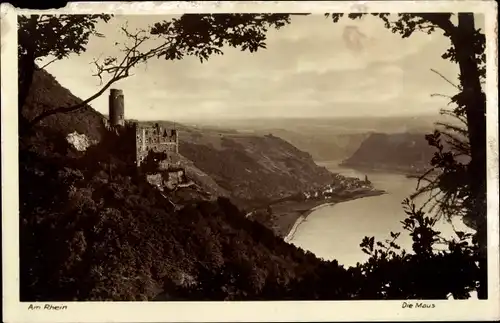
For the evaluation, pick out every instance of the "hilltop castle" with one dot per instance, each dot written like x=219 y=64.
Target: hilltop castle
x=148 y=138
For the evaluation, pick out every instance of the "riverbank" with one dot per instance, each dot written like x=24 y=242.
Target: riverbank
x=284 y=217
x=303 y=217
x=405 y=171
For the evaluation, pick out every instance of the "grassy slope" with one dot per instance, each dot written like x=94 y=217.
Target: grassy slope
x=330 y=139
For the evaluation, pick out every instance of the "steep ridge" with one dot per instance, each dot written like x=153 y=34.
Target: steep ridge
x=404 y=152
x=330 y=139
x=253 y=167
x=46 y=93
x=324 y=147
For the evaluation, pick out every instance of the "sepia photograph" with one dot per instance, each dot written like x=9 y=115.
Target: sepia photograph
x=252 y=156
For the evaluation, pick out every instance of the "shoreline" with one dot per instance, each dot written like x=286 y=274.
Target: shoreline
x=304 y=215
x=382 y=169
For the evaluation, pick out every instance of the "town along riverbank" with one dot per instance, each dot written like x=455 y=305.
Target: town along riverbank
x=285 y=215
x=288 y=235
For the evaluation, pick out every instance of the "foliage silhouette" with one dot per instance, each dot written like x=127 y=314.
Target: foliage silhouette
x=190 y=35
x=42 y=36
x=458 y=188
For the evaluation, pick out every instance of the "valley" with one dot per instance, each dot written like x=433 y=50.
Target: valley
x=251 y=188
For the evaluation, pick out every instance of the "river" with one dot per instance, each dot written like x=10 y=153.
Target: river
x=335 y=232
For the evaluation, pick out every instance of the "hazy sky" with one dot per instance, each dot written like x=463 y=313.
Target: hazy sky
x=308 y=69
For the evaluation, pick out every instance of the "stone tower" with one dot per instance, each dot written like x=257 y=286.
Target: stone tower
x=116 y=108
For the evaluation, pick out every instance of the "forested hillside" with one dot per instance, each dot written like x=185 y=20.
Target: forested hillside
x=89 y=214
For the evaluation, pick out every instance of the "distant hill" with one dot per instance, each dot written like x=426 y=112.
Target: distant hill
x=326 y=147
x=329 y=139
x=405 y=152
x=330 y=125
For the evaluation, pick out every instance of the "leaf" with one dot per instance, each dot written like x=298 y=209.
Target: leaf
x=370 y=243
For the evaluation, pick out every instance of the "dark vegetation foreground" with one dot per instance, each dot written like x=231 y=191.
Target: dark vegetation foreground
x=92 y=228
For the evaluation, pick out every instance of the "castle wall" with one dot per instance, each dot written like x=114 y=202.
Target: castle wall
x=157 y=139
x=169 y=180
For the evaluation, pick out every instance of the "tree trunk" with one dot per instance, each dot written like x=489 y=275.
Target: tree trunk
x=26 y=70
x=474 y=101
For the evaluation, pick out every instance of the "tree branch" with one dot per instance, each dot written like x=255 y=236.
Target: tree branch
x=196 y=35
x=440 y=95
x=442 y=20
x=444 y=78
x=118 y=72
x=75 y=107
x=52 y=61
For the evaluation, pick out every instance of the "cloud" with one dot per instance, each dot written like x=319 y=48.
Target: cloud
x=307 y=68
x=346 y=45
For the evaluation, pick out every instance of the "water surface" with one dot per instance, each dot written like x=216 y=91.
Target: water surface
x=335 y=232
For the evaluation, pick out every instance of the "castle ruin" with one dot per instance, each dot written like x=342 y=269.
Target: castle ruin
x=154 y=138
x=149 y=138
x=116 y=108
